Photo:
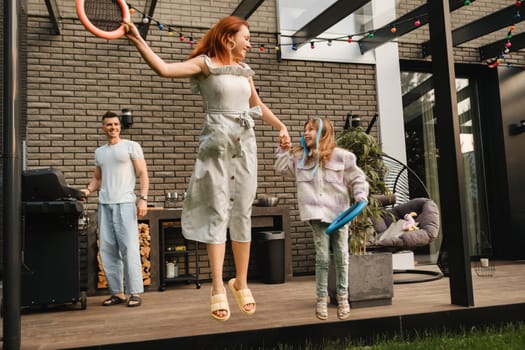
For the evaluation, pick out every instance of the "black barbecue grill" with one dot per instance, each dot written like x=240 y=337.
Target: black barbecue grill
x=54 y=268
x=47 y=184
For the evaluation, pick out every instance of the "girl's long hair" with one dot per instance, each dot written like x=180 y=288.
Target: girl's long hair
x=216 y=40
x=326 y=145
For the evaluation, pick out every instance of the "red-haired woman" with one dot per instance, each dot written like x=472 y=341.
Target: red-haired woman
x=224 y=180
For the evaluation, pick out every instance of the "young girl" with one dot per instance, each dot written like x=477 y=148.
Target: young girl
x=325 y=176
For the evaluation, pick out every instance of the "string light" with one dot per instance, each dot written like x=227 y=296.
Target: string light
x=294 y=46
x=495 y=61
x=416 y=21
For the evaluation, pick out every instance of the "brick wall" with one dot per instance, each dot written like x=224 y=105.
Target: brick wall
x=75 y=77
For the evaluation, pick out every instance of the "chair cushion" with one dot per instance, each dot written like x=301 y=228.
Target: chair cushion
x=427 y=219
x=391 y=236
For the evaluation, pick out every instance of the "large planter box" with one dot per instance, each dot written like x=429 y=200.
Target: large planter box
x=370 y=280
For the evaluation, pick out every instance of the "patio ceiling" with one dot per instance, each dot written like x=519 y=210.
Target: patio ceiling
x=149 y=9
x=54 y=15
x=246 y=8
x=341 y=9
x=326 y=19
x=483 y=26
x=405 y=24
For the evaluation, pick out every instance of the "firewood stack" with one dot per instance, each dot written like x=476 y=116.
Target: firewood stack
x=145 y=248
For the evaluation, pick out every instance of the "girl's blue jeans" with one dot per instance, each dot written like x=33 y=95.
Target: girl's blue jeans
x=335 y=245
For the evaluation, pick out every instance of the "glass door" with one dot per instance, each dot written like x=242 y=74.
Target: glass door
x=423 y=155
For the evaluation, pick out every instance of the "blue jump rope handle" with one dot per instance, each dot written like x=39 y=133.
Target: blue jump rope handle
x=346 y=216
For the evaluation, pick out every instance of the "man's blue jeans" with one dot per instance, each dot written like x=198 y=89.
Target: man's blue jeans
x=120 y=248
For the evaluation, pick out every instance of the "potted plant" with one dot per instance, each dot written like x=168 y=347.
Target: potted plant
x=370 y=159
x=370 y=275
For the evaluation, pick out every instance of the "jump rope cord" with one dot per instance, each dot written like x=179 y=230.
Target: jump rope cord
x=305 y=152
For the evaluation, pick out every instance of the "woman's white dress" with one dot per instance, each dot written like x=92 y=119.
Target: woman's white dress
x=223 y=184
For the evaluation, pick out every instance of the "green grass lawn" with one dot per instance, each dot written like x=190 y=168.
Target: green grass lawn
x=507 y=337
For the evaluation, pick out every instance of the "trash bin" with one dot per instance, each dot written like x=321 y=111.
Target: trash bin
x=270 y=256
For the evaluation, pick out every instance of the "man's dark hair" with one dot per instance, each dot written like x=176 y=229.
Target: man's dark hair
x=109 y=114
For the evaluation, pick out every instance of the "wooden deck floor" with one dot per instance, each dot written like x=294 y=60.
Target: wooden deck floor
x=183 y=311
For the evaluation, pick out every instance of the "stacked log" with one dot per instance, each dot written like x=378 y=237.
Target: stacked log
x=145 y=249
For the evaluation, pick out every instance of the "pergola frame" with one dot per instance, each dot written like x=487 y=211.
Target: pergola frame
x=332 y=15
x=403 y=25
x=343 y=8
x=442 y=40
x=246 y=8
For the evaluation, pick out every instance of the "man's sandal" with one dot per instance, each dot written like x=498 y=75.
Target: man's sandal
x=113 y=300
x=243 y=297
x=134 y=300
x=220 y=302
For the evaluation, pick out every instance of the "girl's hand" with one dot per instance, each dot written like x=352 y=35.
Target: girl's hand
x=361 y=198
x=285 y=146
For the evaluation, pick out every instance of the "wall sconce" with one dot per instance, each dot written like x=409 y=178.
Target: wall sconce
x=126 y=118
x=352 y=121
x=516 y=129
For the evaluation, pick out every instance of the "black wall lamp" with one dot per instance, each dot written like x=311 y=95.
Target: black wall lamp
x=516 y=129
x=126 y=118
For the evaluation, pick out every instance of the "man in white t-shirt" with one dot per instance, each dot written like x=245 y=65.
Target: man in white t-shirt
x=117 y=165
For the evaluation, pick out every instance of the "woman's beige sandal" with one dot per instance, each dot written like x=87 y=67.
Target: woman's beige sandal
x=321 y=308
x=220 y=302
x=243 y=297
x=343 y=307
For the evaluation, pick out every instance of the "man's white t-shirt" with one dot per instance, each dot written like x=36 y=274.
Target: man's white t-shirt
x=118 y=172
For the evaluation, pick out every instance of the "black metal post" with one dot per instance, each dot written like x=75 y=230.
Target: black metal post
x=450 y=167
x=12 y=171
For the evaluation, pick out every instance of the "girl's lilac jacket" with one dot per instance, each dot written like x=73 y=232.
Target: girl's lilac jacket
x=325 y=193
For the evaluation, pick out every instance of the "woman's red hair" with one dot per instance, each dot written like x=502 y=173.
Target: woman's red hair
x=215 y=42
